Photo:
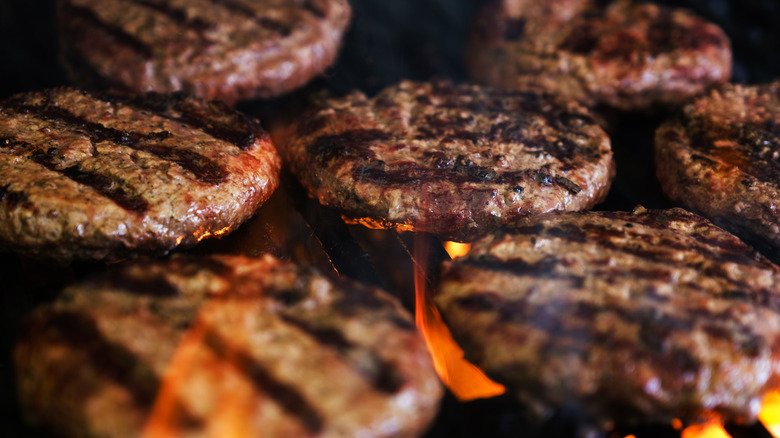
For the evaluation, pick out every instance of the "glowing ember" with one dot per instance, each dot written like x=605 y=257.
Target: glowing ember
x=770 y=413
x=464 y=379
x=456 y=249
x=712 y=429
x=376 y=224
x=214 y=234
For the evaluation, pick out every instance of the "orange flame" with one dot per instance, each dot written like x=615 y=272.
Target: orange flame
x=232 y=397
x=711 y=429
x=464 y=379
x=770 y=413
x=214 y=234
x=164 y=409
x=456 y=249
x=769 y=417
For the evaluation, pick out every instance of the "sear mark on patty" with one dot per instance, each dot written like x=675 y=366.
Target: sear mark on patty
x=114 y=32
x=110 y=186
x=383 y=376
x=177 y=15
x=286 y=395
x=236 y=130
x=109 y=358
x=203 y=168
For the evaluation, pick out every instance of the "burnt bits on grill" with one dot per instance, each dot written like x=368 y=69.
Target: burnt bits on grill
x=619 y=53
x=99 y=177
x=719 y=156
x=454 y=160
x=225 y=346
x=624 y=317
x=216 y=49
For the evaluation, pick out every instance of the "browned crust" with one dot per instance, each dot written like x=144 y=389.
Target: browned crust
x=626 y=55
x=626 y=317
x=216 y=49
x=719 y=157
x=453 y=160
x=91 y=177
x=226 y=343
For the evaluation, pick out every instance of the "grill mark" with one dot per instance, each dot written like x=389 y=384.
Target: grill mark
x=113 y=188
x=657 y=254
x=203 y=168
x=95 y=131
x=458 y=171
x=729 y=252
x=120 y=35
x=651 y=255
x=108 y=186
x=357 y=299
x=271 y=24
x=239 y=133
x=720 y=250
x=542 y=269
x=380 y=373
x=348 y=144
x=177 y=15
x=110 y=359
x=315 y=7
x=91 y=74
x=656 y=329
x=286 y=395
x=561 y=148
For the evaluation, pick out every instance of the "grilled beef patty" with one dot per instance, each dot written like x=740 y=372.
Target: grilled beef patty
x=99 y=177
x=616 y=53
x=225 y=346
x=624 y=317
x=216 y=49
x=719 y=156
x=456 y=161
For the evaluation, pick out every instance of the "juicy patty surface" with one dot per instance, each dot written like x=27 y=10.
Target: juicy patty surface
x=453 y=160
x=99 y=177
x=719 y=156
x=618 y=53
x=225 y=346
x=216 y=49
x=645 y=316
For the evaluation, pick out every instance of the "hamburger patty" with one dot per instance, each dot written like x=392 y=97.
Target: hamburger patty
x=99 y=177
x=618 y=53
x=216 y=49
x=225 y=346
x=719 y=156
x=625 y=317
x=455 y=161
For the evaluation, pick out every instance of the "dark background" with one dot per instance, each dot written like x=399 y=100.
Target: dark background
x=392 y=40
